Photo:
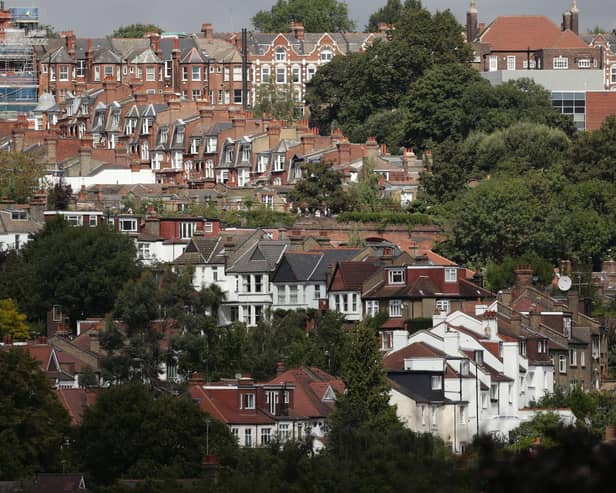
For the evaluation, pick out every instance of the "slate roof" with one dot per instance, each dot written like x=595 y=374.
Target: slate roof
x=264 y=256
x=199 y=251
x=311 y=266
x=416 y=386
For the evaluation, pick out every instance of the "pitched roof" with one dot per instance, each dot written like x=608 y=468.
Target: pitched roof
x=314 y=391
x=522 y=32
x=395 y=360
x=75 y=401
x=349 y=276
x=264 y=256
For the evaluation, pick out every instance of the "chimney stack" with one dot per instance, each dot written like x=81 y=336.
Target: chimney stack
x=69 y=39
x=208 y=30
x=471 y=22
x=523 y=276
x=297 y=29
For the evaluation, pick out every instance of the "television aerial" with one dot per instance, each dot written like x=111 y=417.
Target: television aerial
x=564 y=283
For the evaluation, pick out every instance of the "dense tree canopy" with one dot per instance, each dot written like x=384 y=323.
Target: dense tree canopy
x=33 y=424
x=135 y=30
x=317 y=15
x=133 y=432
x=80 y=268
x=320 y=190
x=20 y=174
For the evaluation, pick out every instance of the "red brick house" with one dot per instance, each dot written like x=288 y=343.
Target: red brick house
x=294 y=404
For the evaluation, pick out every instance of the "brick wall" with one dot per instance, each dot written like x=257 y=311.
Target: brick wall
x=599 y=105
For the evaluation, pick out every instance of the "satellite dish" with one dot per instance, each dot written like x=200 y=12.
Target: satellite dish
x=564 y=283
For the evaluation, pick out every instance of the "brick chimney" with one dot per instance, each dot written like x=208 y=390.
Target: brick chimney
x=534 y=319
x=566 y=24
x=575 y=18
x=69 y=39
x=307 y=143
x=523 y=276
x=471 y=22
x=384 y=27
x=155 y=43
x=208 y=30
x=239 y=127
x=95 y=345
x=280 y=368
x=18 y=139
x=408 y=159
x=344 y=152
x=207 y=116
x=297 y=29
x=273 y=133
x=372 y=149
x=51 y=145
x=175 y=104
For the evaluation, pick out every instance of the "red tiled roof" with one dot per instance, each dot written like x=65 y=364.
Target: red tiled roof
x=519 y=33
x=311 y=385
x=567 y=40
x=395 y=360
x=75 y=401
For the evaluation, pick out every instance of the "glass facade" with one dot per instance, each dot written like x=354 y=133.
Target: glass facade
x=571 y=103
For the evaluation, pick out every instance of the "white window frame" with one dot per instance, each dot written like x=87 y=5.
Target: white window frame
x=150 y=74
x=247 y=437
x=613 y=74
x=572 y=357
x=326 y=54
x=187 y=229
x=195 y=73
x=511 y=62
x=281 y=74
x=280 y=54
x=127 y=224
x=584 y=63
x=265 y=73
x=560 y=63
x=396 y=276
x=562 y=363
x=451 y=274
x=395 y=308
x=436 y=382
x=442 y=305
x=63 y=73
x=372 y=307
x=279 y=162
x=387 y=340
x=492 y=63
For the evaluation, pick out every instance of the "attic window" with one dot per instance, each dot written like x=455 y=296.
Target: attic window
x=479 y=357
x=436 y=382
x=451 y=274
x=567 y=326
x=542 y=346
x=396 y=276
x=18 y=215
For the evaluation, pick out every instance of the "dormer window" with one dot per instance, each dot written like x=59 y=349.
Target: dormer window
x=179 y=135
x=542 y=346
x=523 y=348
x=163 y=135
x=147 y=125
x=131 y=124
x=247 y=401
x=279 y=162
x=567 y=326
x=262 y=160
x=128 y=225
x=211 y=144
x=195 y=143
x=479 y=357
x=436 y=382
x=396 y=276
x=228 y=154
x=18 y=215
x=245 y=154
x=451 y=274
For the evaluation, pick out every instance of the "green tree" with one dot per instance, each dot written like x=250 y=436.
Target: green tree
x=317 y=15
x=133 y=432
x=502 y=275
x=276 y=101
x=12 y=323
x=365 y=403
x=389 y=14
x=320 y=190
x=594 y=155
x=80 y=268
x=59 y=197
x=137 y=303
x=135 y=30
x=20 y=174
x=33 y=424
